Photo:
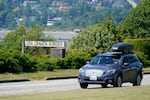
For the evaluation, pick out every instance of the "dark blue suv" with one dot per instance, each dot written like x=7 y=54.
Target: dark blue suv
x=115 y=67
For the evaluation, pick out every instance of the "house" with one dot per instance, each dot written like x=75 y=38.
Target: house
x=28 y=2
x=63 y=8
x=51 y=21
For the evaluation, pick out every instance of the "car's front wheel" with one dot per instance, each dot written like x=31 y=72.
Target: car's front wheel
x=137 y=82
x=83 y=85
x=104 y=85
x=118 y=82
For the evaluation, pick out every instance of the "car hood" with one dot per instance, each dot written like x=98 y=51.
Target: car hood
x=99 y=67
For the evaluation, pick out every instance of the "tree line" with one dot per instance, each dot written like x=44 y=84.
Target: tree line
x=102 y=35
x=91 y=41
x=78 y=13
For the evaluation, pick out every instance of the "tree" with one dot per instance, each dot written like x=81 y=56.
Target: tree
x=13 y=41
x=3 y=15
x=10 y=21
x=84 y=12
x=99 y=36
x=137 y=23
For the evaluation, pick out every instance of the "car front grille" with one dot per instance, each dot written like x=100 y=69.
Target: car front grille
x=93 y=73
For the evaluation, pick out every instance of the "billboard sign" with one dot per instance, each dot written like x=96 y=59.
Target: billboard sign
x=52 y=44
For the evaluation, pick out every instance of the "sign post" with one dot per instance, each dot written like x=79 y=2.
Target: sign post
x=52 y=44
x=22 y=46
x=56 y=53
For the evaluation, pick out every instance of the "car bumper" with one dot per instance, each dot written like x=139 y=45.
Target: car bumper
x=99 y=80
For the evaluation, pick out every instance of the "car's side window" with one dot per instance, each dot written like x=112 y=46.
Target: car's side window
x=129 y=60
x=125 y=60
x=132 y=59
x=135 y=58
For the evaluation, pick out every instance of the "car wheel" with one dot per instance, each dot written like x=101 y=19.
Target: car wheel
x=118 y=82
x=104 y=85
x=83 y=85
x=137 y=81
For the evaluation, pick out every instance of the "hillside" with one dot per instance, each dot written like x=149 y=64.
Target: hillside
x=61 y=14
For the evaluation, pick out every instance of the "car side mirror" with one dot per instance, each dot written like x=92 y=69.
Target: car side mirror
x=87 y=62
x=126 y=64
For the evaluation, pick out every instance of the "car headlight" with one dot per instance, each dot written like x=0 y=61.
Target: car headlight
x=110 y=71
x=81 y=71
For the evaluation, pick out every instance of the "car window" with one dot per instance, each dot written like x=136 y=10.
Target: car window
x=95 y=60
x=125 y=60
x=129 y=59
x=135 y=58
x=103 y=60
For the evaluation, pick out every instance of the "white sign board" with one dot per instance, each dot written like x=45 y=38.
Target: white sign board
x=55 y=44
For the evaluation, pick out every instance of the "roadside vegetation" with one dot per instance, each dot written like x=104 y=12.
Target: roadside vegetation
x=92 y=40
x=42 y=75
x=124 y=93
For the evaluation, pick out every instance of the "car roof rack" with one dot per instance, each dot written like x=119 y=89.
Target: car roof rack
x=122 y=47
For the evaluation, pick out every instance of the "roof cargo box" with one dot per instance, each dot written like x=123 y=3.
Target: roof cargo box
x=122 y=47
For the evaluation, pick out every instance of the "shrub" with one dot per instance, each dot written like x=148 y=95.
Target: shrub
x=143 y=58
x=8 y=63
x=60 y=63
x=31 y=65
x=142 y=47
x=15 y=62
x=45 y=65
x=77 y=58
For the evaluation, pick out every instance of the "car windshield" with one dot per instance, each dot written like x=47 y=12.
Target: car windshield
x=104 y=60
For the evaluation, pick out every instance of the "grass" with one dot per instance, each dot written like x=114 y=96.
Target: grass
x=43 y=75
x=124 y=93
x=147 y=70
x=40 y=75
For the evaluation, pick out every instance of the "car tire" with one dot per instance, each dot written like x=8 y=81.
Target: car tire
x=104 y=85
x=118 y=82
x=83 y=85
x=137 y=81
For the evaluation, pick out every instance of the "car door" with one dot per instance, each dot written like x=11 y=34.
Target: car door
x=133 y=67
x=126 y=69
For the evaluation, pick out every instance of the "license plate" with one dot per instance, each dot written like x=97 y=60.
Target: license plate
x=93 y=78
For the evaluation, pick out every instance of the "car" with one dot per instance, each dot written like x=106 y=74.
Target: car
x=118 y=66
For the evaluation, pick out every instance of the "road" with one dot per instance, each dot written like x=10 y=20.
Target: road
x=59 y=35
x=49 y=86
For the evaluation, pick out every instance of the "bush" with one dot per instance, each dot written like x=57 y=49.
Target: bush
x=60 y=63
x=77 y=58
x=8 y=63
x=45 y=65
x=143 y=58
x=15 y=62
x=74 y=59
x=31 y=65
x=141 y=48
x=27 y=62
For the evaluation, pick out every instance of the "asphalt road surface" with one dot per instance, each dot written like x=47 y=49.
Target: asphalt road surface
x=59 y=35
x=49 y=86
